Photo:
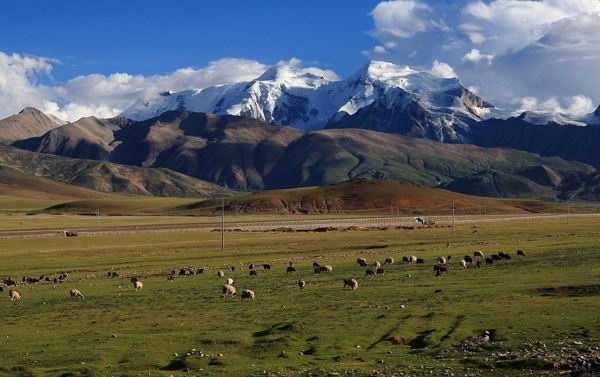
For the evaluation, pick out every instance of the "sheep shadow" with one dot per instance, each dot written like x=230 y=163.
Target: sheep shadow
x=421 y=341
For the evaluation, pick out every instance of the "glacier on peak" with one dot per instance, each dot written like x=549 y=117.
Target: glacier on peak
x=296 y=97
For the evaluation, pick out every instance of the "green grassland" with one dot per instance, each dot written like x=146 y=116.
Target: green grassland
x=539 y=311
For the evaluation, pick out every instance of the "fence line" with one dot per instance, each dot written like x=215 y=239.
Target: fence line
x=305 y=225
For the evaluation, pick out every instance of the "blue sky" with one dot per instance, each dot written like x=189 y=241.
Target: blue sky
x=157 y=37
x=82 y=58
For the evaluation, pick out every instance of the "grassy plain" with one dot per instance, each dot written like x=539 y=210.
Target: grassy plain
x=539 y=311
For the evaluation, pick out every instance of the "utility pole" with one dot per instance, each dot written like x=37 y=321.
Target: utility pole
x=453 y=225
x=222 y=224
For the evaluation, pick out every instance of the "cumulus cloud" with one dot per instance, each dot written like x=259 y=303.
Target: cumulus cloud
x=442 y=70
x=512 y=51
x=107 y=96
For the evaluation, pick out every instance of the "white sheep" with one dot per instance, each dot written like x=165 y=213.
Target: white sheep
x=220 y=274
x=441 y=260
x=228 y=290
x=230 y=281
x=138 y=285
x=247 y=294
x=412 y=259
x=478 y=254
x=377 y=265
x=463 y=263
x=14 y=295
x=389 y=260
x=76 y=294
x=351 y=283
x=361 y=261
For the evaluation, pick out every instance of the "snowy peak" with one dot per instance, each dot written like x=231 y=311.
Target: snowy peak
x=299 y=98
x=542 y=119
x=291 y=76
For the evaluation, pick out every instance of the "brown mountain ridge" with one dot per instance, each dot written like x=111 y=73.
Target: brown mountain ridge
x=248 y=154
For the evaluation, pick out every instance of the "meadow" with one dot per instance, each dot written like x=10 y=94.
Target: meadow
x=536 y=315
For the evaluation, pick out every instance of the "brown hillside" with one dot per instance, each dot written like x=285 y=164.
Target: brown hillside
x=367 y=196
x=28 y=123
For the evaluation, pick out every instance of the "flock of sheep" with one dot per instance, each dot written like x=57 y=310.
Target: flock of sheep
x=229 y=290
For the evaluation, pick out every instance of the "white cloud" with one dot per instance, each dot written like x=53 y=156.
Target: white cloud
x=475 y=56
x=18 y=82
x=511 y=50
x=442 y=70
x=107 y=96
x=575 y=107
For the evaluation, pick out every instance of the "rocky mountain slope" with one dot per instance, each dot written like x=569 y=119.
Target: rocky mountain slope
x=249 y=154
x=28 y=123
x=20 y=169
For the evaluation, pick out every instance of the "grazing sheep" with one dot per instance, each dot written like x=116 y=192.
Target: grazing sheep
x=420 y=261
x=230 y=281
x=133 y=279
x=495 y=257
x=377 y=265
x=441 y=260
x=440 y=270
x=14 y=295
x=468 y=259
x=449 y=259
x=301 y=284
x=170 y=278
x=504 y=256
x=251 y=266
x=405 y=259
x=291 y=269
x=326 y=268
x=520 y=254
x=200 y=271
x=220 y=274
x=479 y=264
x=380 y=271
x=266 y=266
x=253 y=273
x=478 y=254
x=228 y=290
x=463 y=264
x=315 y=264
x=489 y=261
x=369 y=273
x=76 y=294
x=413 y=259
x=232 y=268
x=351 y=283
x=361 y=261
x=389 y=260
x=138 y=285
x=247 y=294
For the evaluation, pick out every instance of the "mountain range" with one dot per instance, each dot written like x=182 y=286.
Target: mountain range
x=291 y=129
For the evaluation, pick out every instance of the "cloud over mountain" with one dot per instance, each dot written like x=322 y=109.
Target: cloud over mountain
x=511 y=52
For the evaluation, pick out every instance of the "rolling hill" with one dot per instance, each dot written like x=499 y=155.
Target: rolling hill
x=23 y=173
x=248 y=154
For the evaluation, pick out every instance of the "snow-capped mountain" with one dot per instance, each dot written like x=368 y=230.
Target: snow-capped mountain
x=416 y=103
x=542 y=119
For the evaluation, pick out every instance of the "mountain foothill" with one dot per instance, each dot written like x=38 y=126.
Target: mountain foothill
x=383 y=123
